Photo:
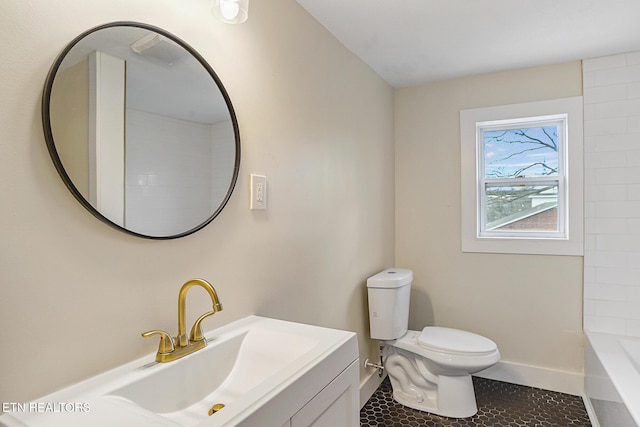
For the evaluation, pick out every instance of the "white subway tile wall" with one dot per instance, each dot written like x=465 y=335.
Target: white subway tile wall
x=612 y=194
x=171 y=164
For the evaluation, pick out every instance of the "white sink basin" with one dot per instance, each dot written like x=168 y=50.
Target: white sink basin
x=226 y=370
x=245 y=365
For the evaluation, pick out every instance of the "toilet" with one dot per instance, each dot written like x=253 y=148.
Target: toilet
x=430 y=370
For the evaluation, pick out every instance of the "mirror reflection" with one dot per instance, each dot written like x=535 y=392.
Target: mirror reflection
x=141 y=130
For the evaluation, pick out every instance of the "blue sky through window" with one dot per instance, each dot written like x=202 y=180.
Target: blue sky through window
x=523 y=152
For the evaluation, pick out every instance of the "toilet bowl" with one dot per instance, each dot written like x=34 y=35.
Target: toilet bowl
x=430 y=370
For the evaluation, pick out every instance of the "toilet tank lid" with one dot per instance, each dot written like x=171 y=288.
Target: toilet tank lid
x=390 y=278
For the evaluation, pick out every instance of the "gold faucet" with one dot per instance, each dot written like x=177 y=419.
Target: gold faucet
x=170 y=349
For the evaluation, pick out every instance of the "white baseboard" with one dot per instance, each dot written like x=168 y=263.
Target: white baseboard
x=369 y=386
x=536 y=376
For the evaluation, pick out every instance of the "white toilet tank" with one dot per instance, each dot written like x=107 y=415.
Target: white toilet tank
x=389 y=295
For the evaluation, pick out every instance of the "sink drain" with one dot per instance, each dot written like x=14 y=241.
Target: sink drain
x=215 y=408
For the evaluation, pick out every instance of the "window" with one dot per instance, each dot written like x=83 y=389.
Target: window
x=522 y=187
x=521 y=177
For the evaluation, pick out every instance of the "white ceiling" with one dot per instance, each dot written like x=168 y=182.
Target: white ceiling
x=409 y=42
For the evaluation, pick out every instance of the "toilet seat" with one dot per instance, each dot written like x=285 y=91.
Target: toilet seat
x=469 y=355
x=455 y=341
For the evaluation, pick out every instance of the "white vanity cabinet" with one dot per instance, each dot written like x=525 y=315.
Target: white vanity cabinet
x=326 y=394
x=337 y=405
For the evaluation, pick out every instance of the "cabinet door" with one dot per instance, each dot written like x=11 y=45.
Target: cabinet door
x=337 y=405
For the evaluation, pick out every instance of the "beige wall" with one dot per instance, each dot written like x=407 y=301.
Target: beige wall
x=318 y=123
x=530 y=305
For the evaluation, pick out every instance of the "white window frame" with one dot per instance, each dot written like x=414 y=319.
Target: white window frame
x=569 y=239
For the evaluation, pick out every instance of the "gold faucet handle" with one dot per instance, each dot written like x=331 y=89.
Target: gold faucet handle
x=166 y=342
x=196 y=331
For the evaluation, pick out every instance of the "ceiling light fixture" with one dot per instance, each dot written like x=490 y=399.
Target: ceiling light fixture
x=231 y=11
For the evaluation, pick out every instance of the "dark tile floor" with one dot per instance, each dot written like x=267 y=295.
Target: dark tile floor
x=499 y=404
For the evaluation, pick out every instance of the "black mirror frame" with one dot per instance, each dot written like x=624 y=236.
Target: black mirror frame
x=46 y=123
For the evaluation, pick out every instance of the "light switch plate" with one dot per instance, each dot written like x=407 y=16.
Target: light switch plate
x=258 y=192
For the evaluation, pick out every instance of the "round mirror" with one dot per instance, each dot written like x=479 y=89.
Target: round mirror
x=141 y=130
